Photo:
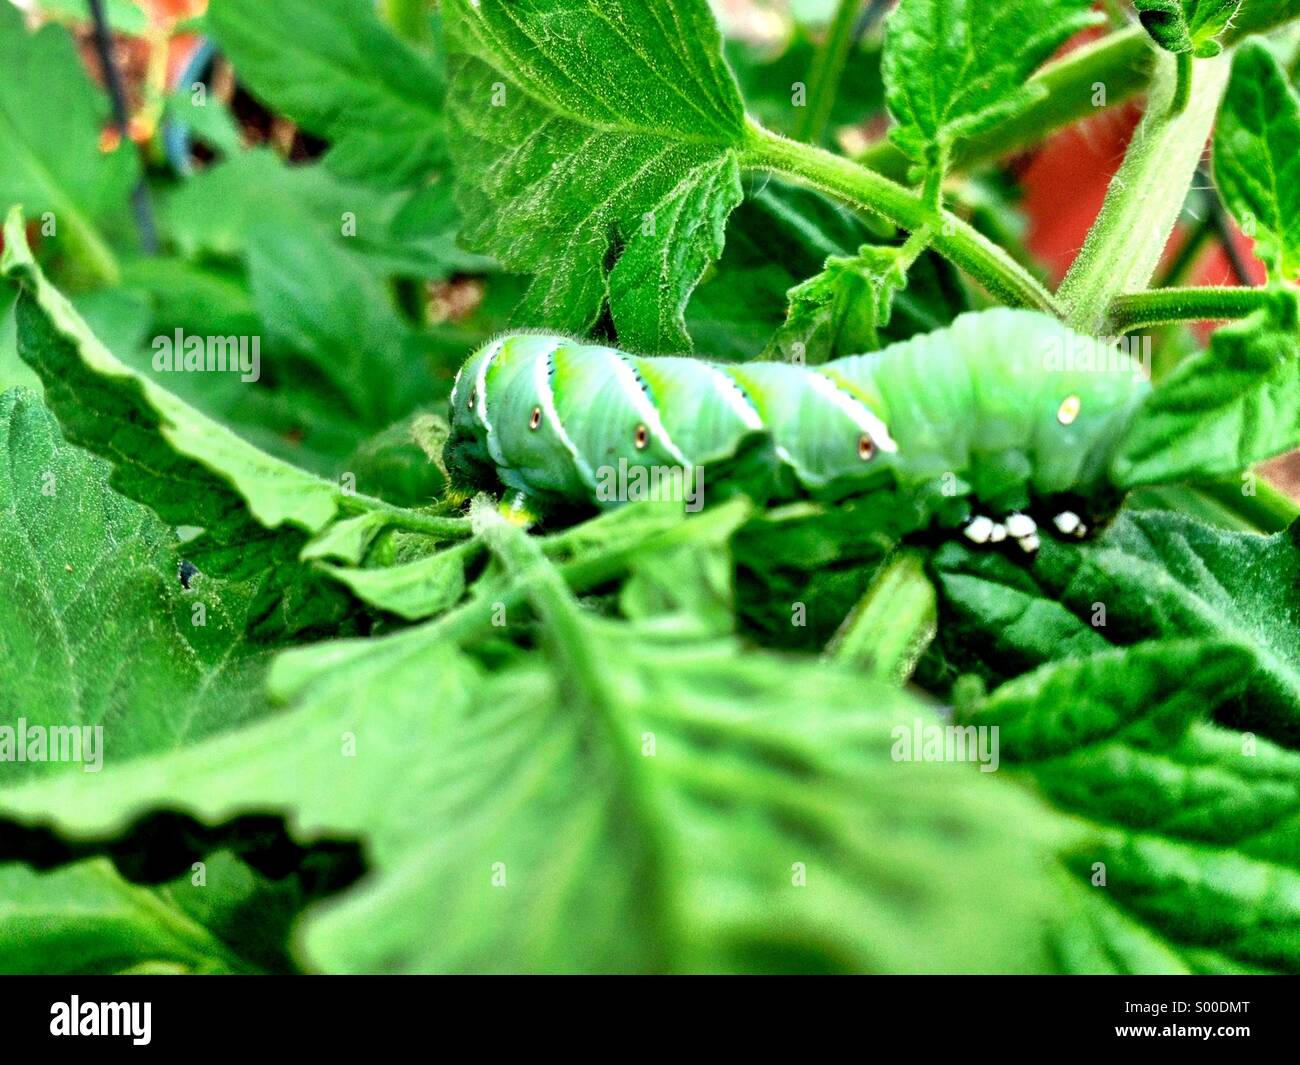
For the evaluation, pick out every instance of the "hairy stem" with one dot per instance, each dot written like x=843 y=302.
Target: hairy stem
x=987 y=263
x=827 y=70
x=1164 y=306
x=1145 y=196
x=1269 y=509
x=443 y=527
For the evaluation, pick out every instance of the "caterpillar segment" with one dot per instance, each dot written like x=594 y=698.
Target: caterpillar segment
x=1002 y=416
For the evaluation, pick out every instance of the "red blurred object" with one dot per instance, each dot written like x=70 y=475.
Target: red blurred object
x=1065 y=184
x=171 y=10
x=1213 y=267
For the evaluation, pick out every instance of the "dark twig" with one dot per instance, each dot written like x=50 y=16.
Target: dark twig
x=140 y=205
x=875 y=11
x=1223 y=229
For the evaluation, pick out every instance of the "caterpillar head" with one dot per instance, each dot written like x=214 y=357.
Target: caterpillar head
x=468 y=461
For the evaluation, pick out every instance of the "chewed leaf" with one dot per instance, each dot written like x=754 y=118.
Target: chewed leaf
x=611 y=184
x=690 y=810
x=255 y=510
x=953 y=68
x=842 y=310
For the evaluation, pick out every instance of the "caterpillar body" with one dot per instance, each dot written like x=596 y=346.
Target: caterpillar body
x=1002 y=412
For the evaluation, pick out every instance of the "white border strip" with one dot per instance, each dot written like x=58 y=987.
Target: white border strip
x=545 y=393
x=736 y=399
x=649 y=416
x=480 y=400
x=855 y=409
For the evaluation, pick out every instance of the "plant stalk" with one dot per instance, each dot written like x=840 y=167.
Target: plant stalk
x=987 y=263
x=1146 y=195
x=1165 y=306
x=826 y=72
x=1118 y=65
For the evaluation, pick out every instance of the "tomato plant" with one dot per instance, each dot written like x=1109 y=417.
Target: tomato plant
x=297 y=676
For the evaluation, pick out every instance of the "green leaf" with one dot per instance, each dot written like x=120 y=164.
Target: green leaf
x=207 y=119
x=51 y=115
x=392 y=465
x=1222 y=409
x=416 y=584
x=429 y=225
x=777 y=238
x=1257 y=156
x=412 y=590
x=955 y=68
x=841 y=310
x=198 y=298
x=612 y=183
x=255 y=511
x=1151 y=575
x=1196 y=866
x=339 y=72
x=684 y=812
x=124 y=16
x=99 y=633
x=85 y=918
x=94 y=575
x=1193 y=26
x=1080 y=702
x=319 y=303
x=214 y=212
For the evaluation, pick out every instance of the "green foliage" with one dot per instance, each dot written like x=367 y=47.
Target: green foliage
x=93 y=573
x=649 y=740
x=50 y=119
x=955 y=68
x=613 y=187
x=842 y=309
x=1256 y=148
x=334 y=68
x=1153 y=575
x=767 y=78
x=1225 y=408
x=253 y=509
x=1187 y=26
x=1195 y=868
x=634 y=784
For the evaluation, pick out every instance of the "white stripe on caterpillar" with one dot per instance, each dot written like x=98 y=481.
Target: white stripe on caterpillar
x=855 y=409
x=736 y=399
x=644 y=407
x=480 y=401
x=546 y=395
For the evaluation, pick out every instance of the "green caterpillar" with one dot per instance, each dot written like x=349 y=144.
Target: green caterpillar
x=1001 y=413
